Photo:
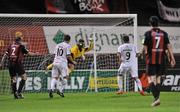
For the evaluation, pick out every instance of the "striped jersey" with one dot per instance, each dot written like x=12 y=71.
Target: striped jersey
x=16 y=52
x=156 y=41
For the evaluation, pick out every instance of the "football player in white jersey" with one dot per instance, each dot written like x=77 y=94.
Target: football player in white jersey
x=127 y=54
x=60 y=66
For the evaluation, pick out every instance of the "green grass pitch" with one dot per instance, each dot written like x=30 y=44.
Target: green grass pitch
x=90 y=102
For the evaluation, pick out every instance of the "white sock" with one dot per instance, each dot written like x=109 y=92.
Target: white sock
x=120 y=84
x=139 y=84
x=53 y=83
x=62 y=85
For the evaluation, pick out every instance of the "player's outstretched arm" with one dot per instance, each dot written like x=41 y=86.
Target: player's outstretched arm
x=69 y=57
x=91 y=45
x=33 y=54
x=27 y=52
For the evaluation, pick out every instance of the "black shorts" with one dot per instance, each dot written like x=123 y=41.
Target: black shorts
x=155 y=69
x=16 y=69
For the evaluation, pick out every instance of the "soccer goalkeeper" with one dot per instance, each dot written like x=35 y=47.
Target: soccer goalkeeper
x=77 y=51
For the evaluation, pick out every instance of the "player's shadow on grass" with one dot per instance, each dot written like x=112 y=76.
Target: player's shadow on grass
x=45 y=98
x=9 y=99
x=48 y=99
x=117 y=96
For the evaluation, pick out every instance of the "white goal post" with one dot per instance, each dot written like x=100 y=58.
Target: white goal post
x=43 y=31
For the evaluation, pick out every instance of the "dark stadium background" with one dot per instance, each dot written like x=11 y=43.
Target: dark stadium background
x=144 y=8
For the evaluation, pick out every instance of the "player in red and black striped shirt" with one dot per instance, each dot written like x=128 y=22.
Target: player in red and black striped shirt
x=156 y=40
x=15 y=54
x=156 y=44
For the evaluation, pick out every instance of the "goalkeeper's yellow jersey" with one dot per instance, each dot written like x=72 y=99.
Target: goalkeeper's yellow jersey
x=76 y=52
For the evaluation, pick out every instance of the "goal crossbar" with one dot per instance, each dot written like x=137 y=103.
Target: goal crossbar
x=71 y=15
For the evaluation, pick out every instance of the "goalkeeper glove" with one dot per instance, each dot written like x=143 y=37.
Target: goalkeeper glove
x=83 y=57
x=90 y=39
x=49 y=66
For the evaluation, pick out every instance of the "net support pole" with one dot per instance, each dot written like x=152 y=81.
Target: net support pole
x=95 y=66
x=135 y=42
x=125 y=84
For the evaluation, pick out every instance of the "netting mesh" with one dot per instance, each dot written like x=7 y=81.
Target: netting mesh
x=41 y=34
x=64 y=21
x=107 y=60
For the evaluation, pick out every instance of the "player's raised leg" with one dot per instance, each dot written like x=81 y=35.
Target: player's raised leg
x=139 y=84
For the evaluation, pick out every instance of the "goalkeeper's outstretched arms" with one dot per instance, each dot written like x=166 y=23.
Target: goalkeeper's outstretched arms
x=75 y=52
x=87 y=49
x=91 y=45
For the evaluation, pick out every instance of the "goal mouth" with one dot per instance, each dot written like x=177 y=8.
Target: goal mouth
x=41 y=33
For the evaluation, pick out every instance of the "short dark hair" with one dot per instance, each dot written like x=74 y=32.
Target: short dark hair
x=67 y=38
x=81 y=41
x=126 y=38
x=154 y=21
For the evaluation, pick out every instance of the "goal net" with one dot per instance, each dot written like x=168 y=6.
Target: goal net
x=41 y=33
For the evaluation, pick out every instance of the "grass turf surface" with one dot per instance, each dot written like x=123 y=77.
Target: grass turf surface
x=90 y=102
